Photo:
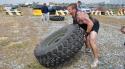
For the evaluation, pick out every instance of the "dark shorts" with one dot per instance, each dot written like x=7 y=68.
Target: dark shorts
x=95 y=26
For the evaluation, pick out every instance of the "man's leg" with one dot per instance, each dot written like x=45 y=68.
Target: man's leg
x=44 y=17
x=48 y=16
x=87 y=43
x=93 y=36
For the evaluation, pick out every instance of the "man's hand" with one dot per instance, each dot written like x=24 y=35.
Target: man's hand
x=86 y=34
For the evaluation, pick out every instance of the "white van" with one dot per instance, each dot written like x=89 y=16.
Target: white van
x=84 y=8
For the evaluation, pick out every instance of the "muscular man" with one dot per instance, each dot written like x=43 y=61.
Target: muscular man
x=90 y=25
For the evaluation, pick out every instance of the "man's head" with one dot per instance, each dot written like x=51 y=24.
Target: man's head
x=44 y=4
x=72 y=8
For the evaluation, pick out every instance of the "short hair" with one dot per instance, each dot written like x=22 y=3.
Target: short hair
x=73 y=5
x=79 y=2
x=44 y=4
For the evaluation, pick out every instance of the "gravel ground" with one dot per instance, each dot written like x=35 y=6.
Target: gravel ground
x=111 y=45
x=110 y=42
x=119 y=17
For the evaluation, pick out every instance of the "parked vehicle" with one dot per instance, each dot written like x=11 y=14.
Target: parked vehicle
x=84 y=8
x=52 y=9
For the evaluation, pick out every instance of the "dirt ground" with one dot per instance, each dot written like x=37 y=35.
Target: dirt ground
x=20 y=34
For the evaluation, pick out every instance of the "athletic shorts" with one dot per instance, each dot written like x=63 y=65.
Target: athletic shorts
x=95 y=26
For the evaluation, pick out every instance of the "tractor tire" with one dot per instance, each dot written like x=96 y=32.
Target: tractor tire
x=60 y=46
x=57 y=18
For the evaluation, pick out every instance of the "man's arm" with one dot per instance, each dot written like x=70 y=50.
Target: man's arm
x=86 y=20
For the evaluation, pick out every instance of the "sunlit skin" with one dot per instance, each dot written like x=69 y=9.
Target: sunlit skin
x=83 y=18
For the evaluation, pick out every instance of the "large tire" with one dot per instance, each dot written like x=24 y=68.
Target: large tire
x=60 y=46
x=56 y=18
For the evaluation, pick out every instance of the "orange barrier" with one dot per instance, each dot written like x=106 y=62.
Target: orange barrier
x=61 y=13
x=97 y=12
x=121 y=12
x=109 y=12
x=14 y=12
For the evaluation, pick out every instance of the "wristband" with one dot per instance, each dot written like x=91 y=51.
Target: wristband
x=87 y=33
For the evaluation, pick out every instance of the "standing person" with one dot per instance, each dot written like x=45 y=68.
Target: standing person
x=90 y=25
x=79 y=3
x=82 y=7
x=45 y=12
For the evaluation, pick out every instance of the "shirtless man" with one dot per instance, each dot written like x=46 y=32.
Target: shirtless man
x=90 y=25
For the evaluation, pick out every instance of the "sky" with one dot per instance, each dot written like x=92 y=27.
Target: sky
x=67 y=1
x=30 y=1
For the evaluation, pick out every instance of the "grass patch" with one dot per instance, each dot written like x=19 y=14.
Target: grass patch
x=35 y=65
x=4 y=41
x=18 y=45
x=110 y=20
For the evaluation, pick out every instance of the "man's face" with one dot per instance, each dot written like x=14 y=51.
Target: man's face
x=71 y=10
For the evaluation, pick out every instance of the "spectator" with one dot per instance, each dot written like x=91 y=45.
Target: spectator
x=79 y=3
x=45 y=12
